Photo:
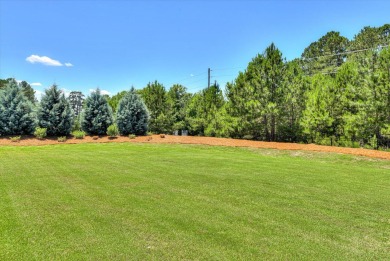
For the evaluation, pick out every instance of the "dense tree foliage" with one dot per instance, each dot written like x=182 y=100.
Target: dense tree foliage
x=28 y=91
x=132 y=115
x=97 y=115
x=336 y=93
x=155 y=97
x=55 y=113
x=17 y=115
x=114 y=100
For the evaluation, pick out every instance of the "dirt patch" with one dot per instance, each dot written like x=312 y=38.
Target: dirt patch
x=32 y=141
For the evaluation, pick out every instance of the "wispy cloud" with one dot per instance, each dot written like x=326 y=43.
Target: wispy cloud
x=43 y=60
x=36 y=84
x=104 y=92
x=46 y=61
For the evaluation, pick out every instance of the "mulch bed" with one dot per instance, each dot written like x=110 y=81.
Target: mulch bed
x=32 y=141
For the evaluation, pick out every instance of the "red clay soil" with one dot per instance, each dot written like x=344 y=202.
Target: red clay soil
x=32 y=141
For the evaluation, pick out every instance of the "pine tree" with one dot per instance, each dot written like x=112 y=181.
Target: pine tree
x=97 y=115
x=132 y=115
x=155 y=97
x=17 y=116
x=28 y=91
x=55 y=113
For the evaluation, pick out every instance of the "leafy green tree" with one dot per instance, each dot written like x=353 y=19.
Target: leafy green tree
x=317 y=120
x=17 y=116
x=55 y=113
x=177 y=100
x=326 y=54
x=155 y=98
x=293 y=102
x=114 y=100
x=3 y=83
x=195 y=114
x=28 y=91
x=97 y=116
x=256 y=96
x=132 y=114
x=206 y=113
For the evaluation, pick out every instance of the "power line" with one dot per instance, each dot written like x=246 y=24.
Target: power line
x=348 y=52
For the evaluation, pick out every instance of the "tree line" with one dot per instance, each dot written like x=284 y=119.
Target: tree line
x=336 y=93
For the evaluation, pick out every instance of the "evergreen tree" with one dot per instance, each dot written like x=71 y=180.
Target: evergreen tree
x=28 y=91
x=326 y=54
x=178 y=99
x=17 y=116
x=97 y=116
x=317 y=120
x=155 y=98
x=132 y=114
x=55 y=113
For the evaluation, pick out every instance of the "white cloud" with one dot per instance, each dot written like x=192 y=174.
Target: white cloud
x=38 y=94
x=43 y=59
x=68 y=65
x=104 y=92
x=36 y=84
x=191 y=75
x=18 y=81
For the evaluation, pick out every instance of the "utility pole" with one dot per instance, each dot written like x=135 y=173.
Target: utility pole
x=208 y=85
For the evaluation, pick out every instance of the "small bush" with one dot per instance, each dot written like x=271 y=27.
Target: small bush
x=15 y=139
x=149 y=133
x=40 y=133
x=112 y=131
x=162 y=135
x=248 y=137
x=61 y=139
x=132 y=136
x=78 y=134
x=95 y=137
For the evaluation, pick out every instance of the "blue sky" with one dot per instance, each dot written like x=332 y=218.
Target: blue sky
x=113 y=45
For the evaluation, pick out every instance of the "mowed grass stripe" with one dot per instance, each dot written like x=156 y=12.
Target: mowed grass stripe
x=150 y=201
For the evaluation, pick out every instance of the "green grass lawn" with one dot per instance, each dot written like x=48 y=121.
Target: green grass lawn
x=188 y=202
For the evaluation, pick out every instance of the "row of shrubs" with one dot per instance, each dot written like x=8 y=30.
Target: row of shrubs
x=18 y=116
x=41 y=133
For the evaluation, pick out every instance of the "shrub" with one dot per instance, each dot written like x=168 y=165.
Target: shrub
x=248 y=137
x=132 y=136
x=132 y=114
x=40 y=133
x=61 y=139
x=78 y=134
x=97 y=116
x=162 y=135
x=112 y=131
x=55 y=113
x=17 y=116
x=15 y=138
x=95 y=137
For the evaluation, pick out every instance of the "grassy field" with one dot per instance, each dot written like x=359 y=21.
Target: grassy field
x=189 y=202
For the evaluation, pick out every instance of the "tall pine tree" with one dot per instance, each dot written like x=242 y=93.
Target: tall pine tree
x=97 y=115
x=55 y=113
x=132 y=115
x=17 y=116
